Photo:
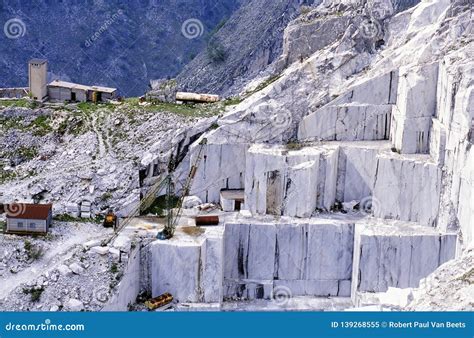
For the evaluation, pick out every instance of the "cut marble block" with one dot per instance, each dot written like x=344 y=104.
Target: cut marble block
x=297 y=202
x=357 y=166
x=348 y=122
x=189 y=268
x=327 y=179
x=309 y=258
x=284 y=182
x=437 y=141
x=396 y=254
x=407 y=188
x=380 y=90
x=417 y=90
x=410 y=135
x=222 y=167
x=416 y=105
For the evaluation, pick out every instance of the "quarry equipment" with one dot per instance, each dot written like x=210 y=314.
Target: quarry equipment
x=147 y=201
x=110 y=220
x=207 y=220
x=171 y=218
x=159 y=302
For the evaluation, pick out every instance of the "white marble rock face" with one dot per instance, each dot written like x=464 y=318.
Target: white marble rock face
x=396 y=254
x=281 y=181
x=357 y=165
x=308 y=258
x=407 y=188
x=416 y=105
x=222 y=167
x=190 y=269
x=348 y=122
x=175 y=269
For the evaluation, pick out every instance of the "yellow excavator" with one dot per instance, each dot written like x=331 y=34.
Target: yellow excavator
x=110 y=220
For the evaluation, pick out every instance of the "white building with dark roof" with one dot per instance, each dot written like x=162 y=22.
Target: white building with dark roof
x=58 y=90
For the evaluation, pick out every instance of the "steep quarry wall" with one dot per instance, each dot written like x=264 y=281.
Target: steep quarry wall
x=396 y=254
x=309 y=258
x=356 y=164
x=188 y=267
x=129 y=286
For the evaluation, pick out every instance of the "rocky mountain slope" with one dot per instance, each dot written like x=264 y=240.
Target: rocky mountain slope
x=67 y=154
x=252 y=39
x=244 y=46
x=377 y=118
x=355 y=146
x=111 y=43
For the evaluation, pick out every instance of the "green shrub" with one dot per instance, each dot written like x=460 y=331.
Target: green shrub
x=216 y=51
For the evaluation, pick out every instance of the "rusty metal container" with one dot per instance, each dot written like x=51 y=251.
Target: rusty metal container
x=207 y=220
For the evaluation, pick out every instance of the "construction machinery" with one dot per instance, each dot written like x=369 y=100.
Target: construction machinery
x=159 y=302
x=173 y=216
x=110 y=220
x=147 y=201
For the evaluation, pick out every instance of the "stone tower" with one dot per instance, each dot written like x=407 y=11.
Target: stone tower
x=37 y=72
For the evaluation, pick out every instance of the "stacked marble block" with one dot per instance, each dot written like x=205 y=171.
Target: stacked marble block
x=189 y=267
x=363 y=113
x=222 y=166
x=407 y=188
x=415 y=108
x=289 y=182
x=311 y=258
x=297 y=182
x=396 y=254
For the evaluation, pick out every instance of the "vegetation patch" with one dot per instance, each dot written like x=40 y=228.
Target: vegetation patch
x=160 y=204
x=35 y=293
x=32 y=251
x=42 y=126
x=22 y=103
x=262 y=85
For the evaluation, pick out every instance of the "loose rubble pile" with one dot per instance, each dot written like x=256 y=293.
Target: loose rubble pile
x=73 y=156
x=67 y=269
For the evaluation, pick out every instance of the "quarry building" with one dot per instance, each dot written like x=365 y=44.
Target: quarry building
x=58 y=90
x=28 y=218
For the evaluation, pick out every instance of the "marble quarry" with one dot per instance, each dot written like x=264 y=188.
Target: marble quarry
x=398 y=138
x=396 y=254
